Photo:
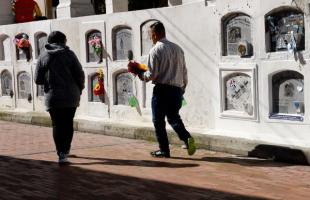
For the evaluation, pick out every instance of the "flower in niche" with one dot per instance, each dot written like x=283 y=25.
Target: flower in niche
x=22 y=42
x=96 y=43
x=99 y=87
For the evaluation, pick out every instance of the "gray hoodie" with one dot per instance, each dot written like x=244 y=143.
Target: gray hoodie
x=61 y=73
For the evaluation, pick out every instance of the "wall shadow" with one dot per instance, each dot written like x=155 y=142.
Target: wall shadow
x=279 y=154
x=24 y=179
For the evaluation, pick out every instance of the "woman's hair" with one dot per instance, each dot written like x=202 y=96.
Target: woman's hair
x=57 y=37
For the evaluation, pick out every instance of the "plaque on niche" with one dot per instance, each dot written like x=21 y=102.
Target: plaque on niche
x=288 y=93
x=24 y=86
x=239 y=93
x=238 y=29
x=124 y=88
x=123 y=43
x=6 y=83
x=41 y=41
x=146 y=40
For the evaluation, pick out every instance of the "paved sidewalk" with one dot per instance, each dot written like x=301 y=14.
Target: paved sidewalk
x=110 y=168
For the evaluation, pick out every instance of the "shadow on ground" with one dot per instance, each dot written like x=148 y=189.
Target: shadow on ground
x=239 y=160
x=24 y=179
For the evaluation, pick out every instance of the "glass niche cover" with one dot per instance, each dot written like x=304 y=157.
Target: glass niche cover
x=288 y=96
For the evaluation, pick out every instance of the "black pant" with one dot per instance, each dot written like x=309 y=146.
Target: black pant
x=167 y=101
x=62 y=122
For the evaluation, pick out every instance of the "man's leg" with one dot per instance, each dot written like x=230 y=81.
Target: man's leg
x=174 y=119
x=158 y=112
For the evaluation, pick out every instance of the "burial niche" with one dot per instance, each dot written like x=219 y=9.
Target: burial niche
x=40 y=41
x=24 y=85
x=237 y=39
x=285 y=30
x=122 y=42
x=99 y=6
x=6 y=83
x=94 y=46
x=238 y=93
x=288 y=94
x=4 y=50
x=141 y=5
x=146 y=41
x=92 y=81
x=124 y=88
x=23 y=47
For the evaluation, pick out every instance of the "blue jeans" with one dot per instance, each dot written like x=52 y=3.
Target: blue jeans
x=166 y=102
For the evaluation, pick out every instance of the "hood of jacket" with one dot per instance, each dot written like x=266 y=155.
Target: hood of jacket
x=55 y=48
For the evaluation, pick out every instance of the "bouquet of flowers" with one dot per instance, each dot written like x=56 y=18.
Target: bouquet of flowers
x=136 y=68
x=99 y=88
x=96 y=44
x=22 y=42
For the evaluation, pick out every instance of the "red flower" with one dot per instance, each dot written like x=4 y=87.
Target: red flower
x=136 y=68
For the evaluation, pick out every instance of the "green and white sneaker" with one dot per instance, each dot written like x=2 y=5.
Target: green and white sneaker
x=191 y=147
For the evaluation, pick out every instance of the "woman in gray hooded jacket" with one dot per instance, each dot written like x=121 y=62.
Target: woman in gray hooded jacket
x=61 y=73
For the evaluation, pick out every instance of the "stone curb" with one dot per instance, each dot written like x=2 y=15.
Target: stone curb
x=138 y=131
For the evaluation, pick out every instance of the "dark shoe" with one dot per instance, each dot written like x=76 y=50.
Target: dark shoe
x=160 y=154
x=191 y=147
x=62 y=159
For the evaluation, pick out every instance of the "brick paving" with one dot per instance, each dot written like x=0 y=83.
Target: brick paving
x=110 y=168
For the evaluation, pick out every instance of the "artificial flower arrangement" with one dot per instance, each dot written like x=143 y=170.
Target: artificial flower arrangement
x=96 y=44
x=136 y=68
x=22 y=42
x=99 y=87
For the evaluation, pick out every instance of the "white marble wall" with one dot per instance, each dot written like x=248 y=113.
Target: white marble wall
x=202 y=44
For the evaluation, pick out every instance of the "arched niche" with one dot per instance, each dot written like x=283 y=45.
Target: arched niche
x=6 y=83
x=146 y=41
x=24 y=85
x=92 y=81
x=91 y=54
x=281 y=25
x=288 y=93
x=122 y=42
x=237 y=35
x=123 y=87
x=22 y=52
x=4 y=47
x=141 y=5
x=238 y=93
x=40 y=42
